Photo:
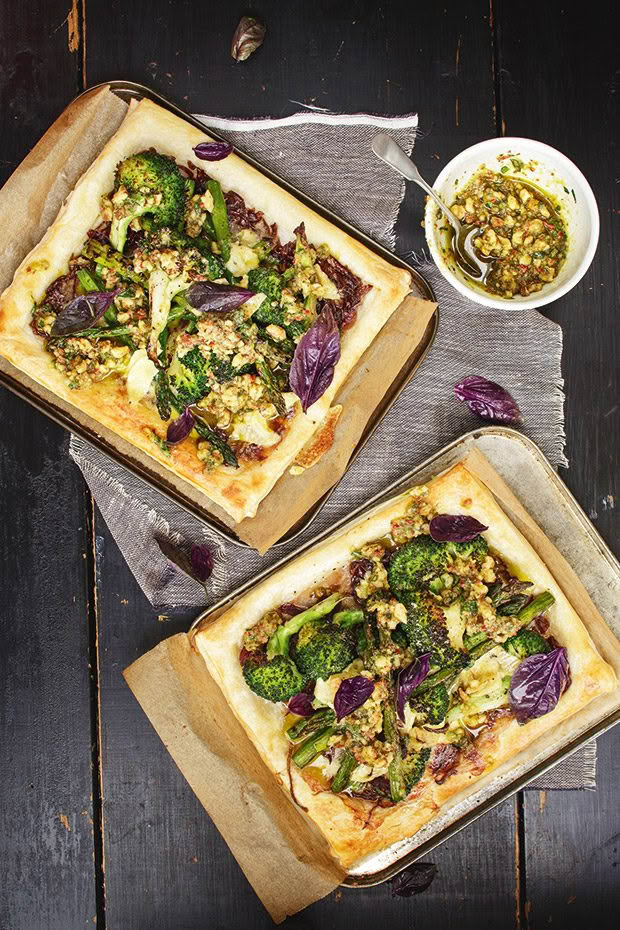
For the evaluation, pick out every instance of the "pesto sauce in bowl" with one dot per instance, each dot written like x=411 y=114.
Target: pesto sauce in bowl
x=521 y=232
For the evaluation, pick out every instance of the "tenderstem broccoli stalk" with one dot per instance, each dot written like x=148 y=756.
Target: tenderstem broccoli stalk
x=303 y=728
x=540 y=603
x=279 y=641
x=395 y=768
x=273 y=391
x=104 y=257
x=313 y=747
x=345 y=770
x=219 y=217
x=349 y=618
x=444 y=675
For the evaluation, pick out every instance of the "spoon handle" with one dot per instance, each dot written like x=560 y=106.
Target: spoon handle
x=391 y=153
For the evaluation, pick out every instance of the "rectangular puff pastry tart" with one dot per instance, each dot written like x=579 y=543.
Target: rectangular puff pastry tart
x=390 y=668
x=195 y=308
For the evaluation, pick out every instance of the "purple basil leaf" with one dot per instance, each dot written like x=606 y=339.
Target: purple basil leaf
x=408 y=679
x=206 y=297
x=413 y=880
x=176 y=555
x=315 y=359
x=352 y=693
x=212 y=151
x=202 y=562
x=290 y=609
x=180 y=428
x=455 y=528
x=248 y=36
x=301 y=704
x=538 y=684
x=489 y=400
x=82 y=312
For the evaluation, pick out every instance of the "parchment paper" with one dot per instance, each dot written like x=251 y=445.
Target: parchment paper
x=283 y=856
x=189 y=722
x=35 y=192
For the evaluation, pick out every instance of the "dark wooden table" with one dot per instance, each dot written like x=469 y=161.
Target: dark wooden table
x=97 y=823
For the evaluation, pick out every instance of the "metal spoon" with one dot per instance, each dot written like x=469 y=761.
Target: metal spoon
x=391 y=153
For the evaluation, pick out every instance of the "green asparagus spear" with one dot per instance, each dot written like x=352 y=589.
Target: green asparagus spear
x=345 y=770
x=219 y=216
x=313 y=747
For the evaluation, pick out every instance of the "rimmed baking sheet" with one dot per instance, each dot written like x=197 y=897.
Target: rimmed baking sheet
x=527 y=472
x=167 y=484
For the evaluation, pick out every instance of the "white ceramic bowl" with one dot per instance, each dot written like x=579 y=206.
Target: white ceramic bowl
x=554 y=173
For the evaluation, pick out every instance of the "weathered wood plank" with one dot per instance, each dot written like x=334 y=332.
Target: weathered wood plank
x=47 y=874
x=552 y=90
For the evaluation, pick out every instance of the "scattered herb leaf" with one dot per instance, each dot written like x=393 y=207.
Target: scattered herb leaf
x=248 y=36
x=455 y=528
x=538 y=684
x=352 y=693
x=301 y=704
x=414 y=880
x=207 y=297
x=315 y=359
x=408 y=679
x=180 y=428
x=179 y=557
x=202 y=562
x=489 y=400
x=82 y=312
x=212 y=151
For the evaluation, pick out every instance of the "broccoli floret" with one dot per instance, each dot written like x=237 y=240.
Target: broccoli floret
x=526 y=643
x=268 y=282
x=213 y=266
x=426 y=631
x=413 y=768
x=278 y=680
x=412 y=562
x=296 y=328
x=189 y=376
x=223 y=369
x=314 y=746
x=146 y=183
x=434 y=704
x=414 y=565
x=323 y=649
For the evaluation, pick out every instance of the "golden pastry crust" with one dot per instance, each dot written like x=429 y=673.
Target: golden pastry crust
x=322 y=440
x=237 y=491
x=354 y=828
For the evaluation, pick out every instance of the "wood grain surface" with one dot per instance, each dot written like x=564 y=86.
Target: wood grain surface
x=96 y=820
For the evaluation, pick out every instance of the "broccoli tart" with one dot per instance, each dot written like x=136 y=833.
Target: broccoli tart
x=385 y=671
x=180 y=308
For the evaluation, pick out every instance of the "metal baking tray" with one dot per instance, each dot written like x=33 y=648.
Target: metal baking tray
x=12 y=379
x=529 y=474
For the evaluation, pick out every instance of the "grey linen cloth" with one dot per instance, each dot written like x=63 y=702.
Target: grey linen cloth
x=328 y=157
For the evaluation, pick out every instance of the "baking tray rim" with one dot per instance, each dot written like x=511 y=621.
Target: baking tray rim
x=396 y=486
x=11 y=378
